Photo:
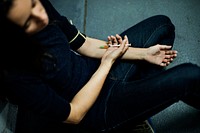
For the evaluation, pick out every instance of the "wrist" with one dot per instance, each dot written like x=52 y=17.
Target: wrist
x=144 y=54
x=135 y=54
x=140 y=53
x=106 y=64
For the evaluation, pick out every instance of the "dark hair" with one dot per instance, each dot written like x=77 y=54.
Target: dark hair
x=5 y=6
x=17 y=49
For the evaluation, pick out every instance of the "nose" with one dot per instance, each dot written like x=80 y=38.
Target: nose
x=38 y=14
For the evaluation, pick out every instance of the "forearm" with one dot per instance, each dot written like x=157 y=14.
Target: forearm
x=86 y=97
x=91 y=48
x=135 y=54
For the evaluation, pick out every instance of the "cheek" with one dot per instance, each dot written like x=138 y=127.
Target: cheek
x=36 y=26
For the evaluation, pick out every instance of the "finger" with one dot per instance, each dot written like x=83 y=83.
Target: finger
x=124 y=46
x=119 y=38
x=114 y=40
x=167 y=60
x=171 y=52
x=109 y=40
x=126 y=37
x=165 y=47
x=173 y=56
x=163 y=64
x=169 y=56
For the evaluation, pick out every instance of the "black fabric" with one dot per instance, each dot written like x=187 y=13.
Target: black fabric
x=78 y=42
x=31 y=92
x=68 y=29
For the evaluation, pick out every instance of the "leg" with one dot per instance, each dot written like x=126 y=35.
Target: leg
x=141 y=35
x=138 y=100
x=154 y=30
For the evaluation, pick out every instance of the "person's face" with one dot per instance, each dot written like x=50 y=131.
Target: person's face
x=29 y=14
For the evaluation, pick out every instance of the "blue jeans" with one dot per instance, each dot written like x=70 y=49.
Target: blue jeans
x=137 y=90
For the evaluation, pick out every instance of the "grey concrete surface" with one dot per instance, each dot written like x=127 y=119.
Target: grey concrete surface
x=73 y=10
x=3 y=116
x=8 y=113
x=178 y=118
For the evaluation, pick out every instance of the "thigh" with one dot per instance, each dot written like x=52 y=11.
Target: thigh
x=123 y=70
x=154 y=30
x=133 y=70
x=134 y=101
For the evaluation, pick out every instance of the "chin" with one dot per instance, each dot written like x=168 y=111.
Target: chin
x=37 y=30
x=46 y=21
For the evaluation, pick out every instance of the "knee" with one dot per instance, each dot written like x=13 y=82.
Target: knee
x=190 y=71
x=165 y=20
x=165 y=29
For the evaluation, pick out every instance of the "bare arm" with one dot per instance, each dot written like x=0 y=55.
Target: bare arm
x=159 y=54
x=91 y=48
x=86 y=97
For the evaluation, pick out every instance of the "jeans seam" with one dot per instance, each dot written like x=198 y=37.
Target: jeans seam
x=127 y=72
x=158 y=28
x=107 y=99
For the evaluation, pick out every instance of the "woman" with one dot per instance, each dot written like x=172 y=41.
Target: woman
x=102 y=89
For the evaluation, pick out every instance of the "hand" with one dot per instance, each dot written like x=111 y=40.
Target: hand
x=112 y=53
x=160 y=55
x=113 y=40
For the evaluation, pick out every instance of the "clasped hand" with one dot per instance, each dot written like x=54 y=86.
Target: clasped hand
x=114 y=52
x=161 y=55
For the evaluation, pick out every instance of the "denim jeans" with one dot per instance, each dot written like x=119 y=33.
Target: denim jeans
x=137 y=90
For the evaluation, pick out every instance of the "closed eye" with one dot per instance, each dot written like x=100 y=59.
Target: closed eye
x=34 y=3
x=27 y=23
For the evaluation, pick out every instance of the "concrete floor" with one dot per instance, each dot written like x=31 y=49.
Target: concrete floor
x=102 y=18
